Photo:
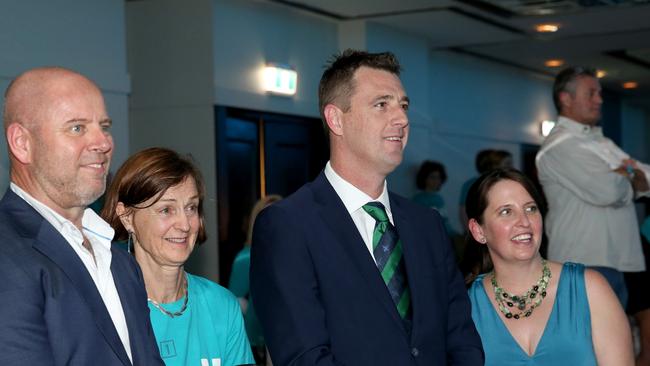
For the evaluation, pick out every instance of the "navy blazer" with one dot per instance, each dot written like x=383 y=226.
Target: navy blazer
x=51 y=312
x=321 y=299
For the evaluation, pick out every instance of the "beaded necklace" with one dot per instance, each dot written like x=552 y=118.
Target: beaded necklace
x=525 y=303
x=167 y=312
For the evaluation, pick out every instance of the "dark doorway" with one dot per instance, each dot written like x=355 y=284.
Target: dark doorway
x=260 y=153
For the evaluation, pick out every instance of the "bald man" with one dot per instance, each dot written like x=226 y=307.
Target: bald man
x=67 y=298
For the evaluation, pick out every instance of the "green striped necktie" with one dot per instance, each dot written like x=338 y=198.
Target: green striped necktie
x=387 y=249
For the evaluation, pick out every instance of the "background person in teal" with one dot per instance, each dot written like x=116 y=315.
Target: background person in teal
x=156 y=202
x=240 y=284
x=430 y=178
x=529 y=311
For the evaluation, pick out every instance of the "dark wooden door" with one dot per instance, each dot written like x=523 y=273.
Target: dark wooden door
x=260 y=153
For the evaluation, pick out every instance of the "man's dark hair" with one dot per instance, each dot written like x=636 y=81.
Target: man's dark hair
x=564 y=82
x=490 y=159
x=337 y=84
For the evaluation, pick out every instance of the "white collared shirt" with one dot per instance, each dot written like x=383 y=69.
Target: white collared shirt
x=99 y=234
x=354 y=199
x=591 y=217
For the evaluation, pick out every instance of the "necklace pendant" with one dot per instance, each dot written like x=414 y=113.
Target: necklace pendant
x=169 y=313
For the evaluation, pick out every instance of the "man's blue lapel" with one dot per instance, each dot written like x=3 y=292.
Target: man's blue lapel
x=51 y=244
x=410 y=238
x=131 y=298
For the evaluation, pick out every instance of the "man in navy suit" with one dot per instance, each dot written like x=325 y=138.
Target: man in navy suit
x=345 y=272
x=67 y=297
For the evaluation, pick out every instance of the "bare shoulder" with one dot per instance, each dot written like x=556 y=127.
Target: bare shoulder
x=595 y=281
x=610 y=329
x=598 y=288
x=555 y=267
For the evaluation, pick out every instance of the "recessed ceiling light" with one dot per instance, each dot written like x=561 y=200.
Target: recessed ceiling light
x=554 y=63
x=630 y=85
x=601 y=74
x=547 y=27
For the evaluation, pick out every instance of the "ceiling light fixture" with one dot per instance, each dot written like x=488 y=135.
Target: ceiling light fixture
x=554 y=63
x=601 y=74
x=630 y=85
x=547 y=28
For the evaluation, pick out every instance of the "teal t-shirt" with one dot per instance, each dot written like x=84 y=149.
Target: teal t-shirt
x=434 y=200
x=210 y=331
x=240 y=287
x=645 y=229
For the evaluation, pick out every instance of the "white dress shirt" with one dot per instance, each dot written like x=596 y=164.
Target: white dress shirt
x=591 y=218
x=99 y=234
x=354 y=199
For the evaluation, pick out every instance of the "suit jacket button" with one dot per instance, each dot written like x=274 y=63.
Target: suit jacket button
x=415 y=352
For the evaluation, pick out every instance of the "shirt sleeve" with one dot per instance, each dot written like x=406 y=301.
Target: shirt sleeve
x=23 y=329
x=238 y=350
x=585 y=174
x=645 y=168
x=239 y=283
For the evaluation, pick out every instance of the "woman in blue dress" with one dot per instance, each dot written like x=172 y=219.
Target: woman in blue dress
x=529 y=311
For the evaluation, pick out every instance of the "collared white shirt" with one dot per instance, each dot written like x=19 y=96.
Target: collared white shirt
x=591 y=217
x=354 y=199
x=598 y=144
x=99 y=234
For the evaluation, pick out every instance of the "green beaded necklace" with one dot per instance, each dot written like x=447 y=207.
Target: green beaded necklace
x=525 y=303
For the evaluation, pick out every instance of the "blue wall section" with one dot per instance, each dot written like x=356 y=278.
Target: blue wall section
x=249 y=34
x=86 y=36
x=477 y=98
x=635 y=132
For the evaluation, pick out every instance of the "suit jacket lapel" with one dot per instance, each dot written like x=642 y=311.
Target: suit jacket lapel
x=50 y=242
x=409 y=237
x=348 y=237
x=129 y=297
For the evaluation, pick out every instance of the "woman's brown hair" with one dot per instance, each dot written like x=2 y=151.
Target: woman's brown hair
x=477 y=259
x=149 y=174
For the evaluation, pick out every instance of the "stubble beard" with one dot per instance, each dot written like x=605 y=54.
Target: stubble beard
x=68 y=191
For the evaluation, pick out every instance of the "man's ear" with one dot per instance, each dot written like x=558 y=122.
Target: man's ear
x=125 y=215
x=334 y=118
x=19 y=141
x=477 y=231
x=566 y=99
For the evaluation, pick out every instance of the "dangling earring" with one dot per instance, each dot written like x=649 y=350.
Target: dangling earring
x=128 y=242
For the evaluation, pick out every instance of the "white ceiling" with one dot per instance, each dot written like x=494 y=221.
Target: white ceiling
x=613 y=35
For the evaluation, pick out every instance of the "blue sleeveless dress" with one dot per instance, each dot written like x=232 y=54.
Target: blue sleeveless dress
x=566 y=339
